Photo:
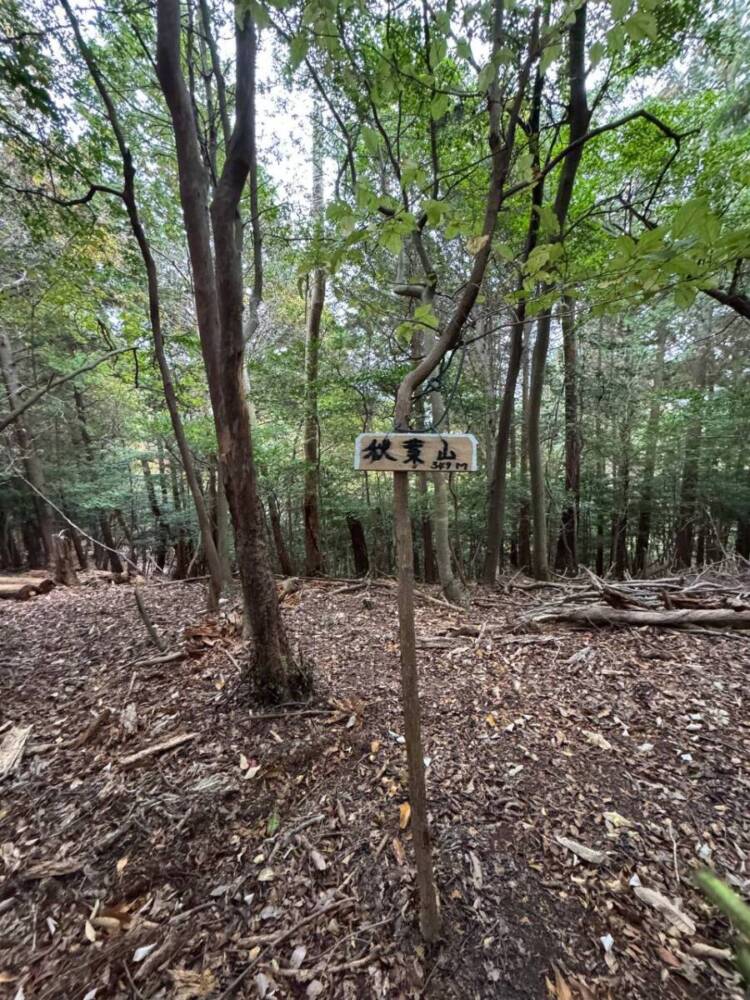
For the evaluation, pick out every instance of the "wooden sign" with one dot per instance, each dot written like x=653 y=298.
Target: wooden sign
x=414 y=452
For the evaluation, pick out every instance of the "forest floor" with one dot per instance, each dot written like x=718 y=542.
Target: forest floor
x=269 y=845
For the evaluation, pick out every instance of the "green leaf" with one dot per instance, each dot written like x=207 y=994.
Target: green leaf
x=596 y=53
x=425 y=315
x=390 y=238
x=548 y=221
x=434 y=210
x=440 y=105
x=463 y=49
x=619 y=8
x=548 y=57
x=297 y=50
x=273 y=824
x=438 y=50
x=684 y=296
x=485 y=77
x=372 y=139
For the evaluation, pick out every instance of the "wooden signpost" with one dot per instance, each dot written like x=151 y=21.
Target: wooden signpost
x=401 y=453
x=414 y=452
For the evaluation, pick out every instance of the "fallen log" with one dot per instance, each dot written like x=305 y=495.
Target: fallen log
x=21 y=588
x=600 y=615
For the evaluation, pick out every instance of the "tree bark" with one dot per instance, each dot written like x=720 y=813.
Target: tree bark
x=359 y=545
x=567 y=545
x=685 y=529
x=313 y=552
x=218 y=291
x=579 y=117
x=285 y=560
x=649 y=463
x=154 y=308
x=29 y=457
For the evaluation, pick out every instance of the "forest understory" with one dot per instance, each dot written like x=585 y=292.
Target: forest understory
x=577 y=778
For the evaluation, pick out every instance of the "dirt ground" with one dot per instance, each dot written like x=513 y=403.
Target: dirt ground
x=576 y=780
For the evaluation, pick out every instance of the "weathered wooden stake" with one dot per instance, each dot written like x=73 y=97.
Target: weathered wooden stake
x=429 y=914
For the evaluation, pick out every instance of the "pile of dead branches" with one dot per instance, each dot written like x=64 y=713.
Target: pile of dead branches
x=715 y=601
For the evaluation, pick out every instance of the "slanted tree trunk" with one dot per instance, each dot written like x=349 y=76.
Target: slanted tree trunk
x=567 y=544
x=154 y=308
x=218 y=291
x=39 y=555
x=649 y=462
x=313 y=553
x=578 y=116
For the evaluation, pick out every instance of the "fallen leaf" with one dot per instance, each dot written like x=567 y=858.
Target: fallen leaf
x=404 y=815
x=262 y=983
x=251 y=772
x=490 y=720
x=561 y=987
x=398 y=850
x=120 y=866
x=597 y=740
x=266 y=875
x=476 y=870
x=298 y=956
x=314 y=989
x=581 y=851
x=667 y=956
x=375 y=746
x=89 y=931
x=666 y=907
x=244 y=762
x=192 y=985
x=140 y=953
x=318 y=860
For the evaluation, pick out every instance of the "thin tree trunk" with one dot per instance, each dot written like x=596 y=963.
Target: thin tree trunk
x=579 y=116
x=685 y=530
x=115 y=563
x=313 y=553
x=524 y=513
x=285 y=561
x=567 y=545
x=429 y=565
x=649 y=463
x=29 y=457
x=359 y=545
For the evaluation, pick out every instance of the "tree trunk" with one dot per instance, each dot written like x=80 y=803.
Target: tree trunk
x=39 y=556
x=285 y=561
x=218 y=290
x=313 y=553
x=620 y=516
x=154 y=307
x=64 y=571
x=359 y=545
x=429 y=565
x=579 y=116
x=160 y=526
x=649 y=464
x=452 y=587
x=685 y=530
x=524 y=513
x=567 y=544
x=115 y=563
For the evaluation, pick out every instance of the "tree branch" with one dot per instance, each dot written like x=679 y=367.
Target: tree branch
x=11 y=417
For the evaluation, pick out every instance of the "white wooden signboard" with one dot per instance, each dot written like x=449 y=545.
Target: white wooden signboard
x=415 y=452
